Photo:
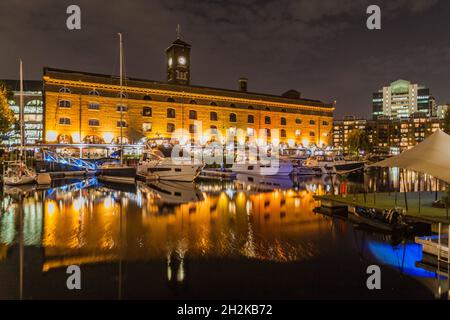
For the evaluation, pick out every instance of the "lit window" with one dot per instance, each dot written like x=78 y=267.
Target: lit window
x=147 y=127
x=147 y=111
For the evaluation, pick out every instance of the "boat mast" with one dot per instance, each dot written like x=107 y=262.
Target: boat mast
x=121 y=94
x=21 y=111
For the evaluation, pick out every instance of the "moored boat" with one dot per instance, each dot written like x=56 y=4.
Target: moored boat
x=154 y=165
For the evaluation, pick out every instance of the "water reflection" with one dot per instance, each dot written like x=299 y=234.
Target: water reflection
x=264 y=219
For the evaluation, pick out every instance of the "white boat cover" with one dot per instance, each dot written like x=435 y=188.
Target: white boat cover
x=431 y=156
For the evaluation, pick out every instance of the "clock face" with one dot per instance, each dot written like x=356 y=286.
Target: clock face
x=182 y=60
x=170 y=62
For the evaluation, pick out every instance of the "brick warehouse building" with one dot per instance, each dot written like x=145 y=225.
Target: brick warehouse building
x=85 y=107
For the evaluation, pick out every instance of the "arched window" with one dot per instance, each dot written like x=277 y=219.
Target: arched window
x=192 y=102
x=170 y=100
x=170 y=113
x=64 y=90
x=192 y=114
x=233 y=117
x=147 y=98
x=283 y=133
x=93 y=139
x=147 y=111
x=267 y=120
x=312 y=133
x=213 y=116
x=64 y=138
x=298 y=121
x=283 y=121
x=250 y=118
x=64 y=104
x=324 y=123
x=94 y=92
x=213 y=104
x=312 y=122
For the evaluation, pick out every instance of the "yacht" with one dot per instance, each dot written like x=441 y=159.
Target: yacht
x=155 y=166
x=258 y=167
x=333 y=164
x=17 y=172
x=116 y=172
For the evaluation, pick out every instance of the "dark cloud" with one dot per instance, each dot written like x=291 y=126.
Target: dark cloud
x=321 y=48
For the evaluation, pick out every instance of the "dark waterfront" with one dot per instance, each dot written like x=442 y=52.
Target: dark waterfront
x=247 y=238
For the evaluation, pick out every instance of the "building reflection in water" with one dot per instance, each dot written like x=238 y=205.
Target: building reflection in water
x=87 y=222
x=79 y=223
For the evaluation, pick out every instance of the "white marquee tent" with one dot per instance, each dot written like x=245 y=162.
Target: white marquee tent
x=431 y=156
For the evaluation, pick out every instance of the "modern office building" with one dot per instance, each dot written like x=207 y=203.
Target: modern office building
x=385 y=134
x=33 y=111
x=401 y=99
x=86 y=107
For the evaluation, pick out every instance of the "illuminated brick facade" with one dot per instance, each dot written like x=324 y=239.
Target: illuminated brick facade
x=85 y=107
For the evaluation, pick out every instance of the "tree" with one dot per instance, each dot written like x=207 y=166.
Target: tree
x=358 y=140
x=7 y=119
x=447 y=121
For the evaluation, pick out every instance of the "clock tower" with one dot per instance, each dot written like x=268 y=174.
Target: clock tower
x=178 y=62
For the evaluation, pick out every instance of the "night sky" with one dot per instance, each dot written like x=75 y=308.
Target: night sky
x=320 y=48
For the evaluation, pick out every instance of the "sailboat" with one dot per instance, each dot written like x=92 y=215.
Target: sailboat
x=17 y=172
x=112 y=171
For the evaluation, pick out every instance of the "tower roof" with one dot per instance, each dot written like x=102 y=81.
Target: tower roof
x=181 y=43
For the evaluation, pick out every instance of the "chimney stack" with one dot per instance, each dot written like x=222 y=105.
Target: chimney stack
x=243 y=84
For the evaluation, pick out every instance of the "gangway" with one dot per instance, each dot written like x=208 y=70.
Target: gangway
x=51 y=156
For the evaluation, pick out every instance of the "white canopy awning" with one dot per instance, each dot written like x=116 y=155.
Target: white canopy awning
x=431 y=156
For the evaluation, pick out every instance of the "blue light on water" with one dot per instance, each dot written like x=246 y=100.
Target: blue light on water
x=401 y=257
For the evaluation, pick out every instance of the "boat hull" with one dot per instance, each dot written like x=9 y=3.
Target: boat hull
x=17 y=181
x=118 y=175
x=182 y=172
x=283 y=169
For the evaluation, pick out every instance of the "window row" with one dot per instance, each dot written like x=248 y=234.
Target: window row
x=92 y=122
x=171 y=113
